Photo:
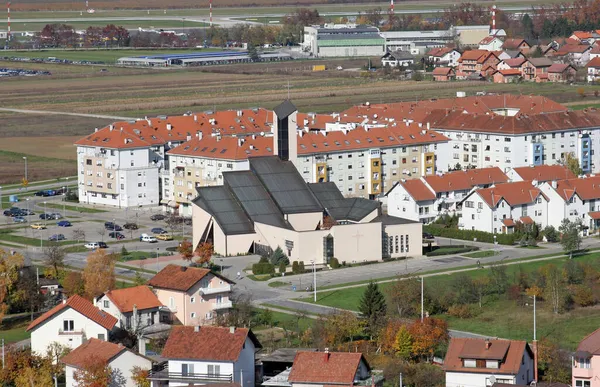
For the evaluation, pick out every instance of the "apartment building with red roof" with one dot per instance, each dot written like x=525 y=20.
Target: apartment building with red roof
x=491 y=43
x=518 y=44
x=120 y=360
x=483 y=362
x=430 y=197
x=321 y=369
x=498 y=208
x=70 y=323
x=593 y=69
x=200 y=355
x=473 y=62
x=575 y=54
x=135 y=308
x=562 y=72
x=193 y=296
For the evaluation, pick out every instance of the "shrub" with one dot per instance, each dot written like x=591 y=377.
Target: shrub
x=124 y=252
x=551 y=234
x=444 y=250
x=263 y=259
x=278 y=256
x=301 y=268
x=468 y=235
x=295 y=267
x=282 y=267
x=334 y=263
x=460 y=311
x=263 y=268
x=583 y=296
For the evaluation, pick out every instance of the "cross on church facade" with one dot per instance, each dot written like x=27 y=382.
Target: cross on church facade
x=358 y=235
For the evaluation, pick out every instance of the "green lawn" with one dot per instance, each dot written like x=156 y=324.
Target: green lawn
x=480 y=254
x=279 y=284
x=8 y=236
x=130 y=24
x=15 y=332
x=72 y=208
x=286 y=320
x=135 y=255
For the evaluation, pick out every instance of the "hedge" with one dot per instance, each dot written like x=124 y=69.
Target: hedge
x=451 y=250
x=469 y=235
x=263 y=268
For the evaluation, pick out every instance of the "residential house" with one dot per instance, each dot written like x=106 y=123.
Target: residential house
x=397 y=59
x=574 y=54
x=443 y=74
x=483 y=362
x=426 y=199
x=585 y=368
x=497 y=209
x=539 y=174
x=443 y=57
x=517 y=44
x=595 y=52
x=321 y=369
x=193 y=295
x=574 y=199
x=507 y=76
x=560 y=72
x=98 y=352
x=526 y=69
x=585 y=37
x=593 y=70
x=491 y=43
x=474 y=62
x=135 y=308
x=205 y=355
x=540 y=66
x=70 y=323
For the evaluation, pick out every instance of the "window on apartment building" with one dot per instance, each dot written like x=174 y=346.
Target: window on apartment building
x=507 y=139
x=106 y=304
x=187 y=369
x=349 y=166
x=394 y=162
x=361 y=186
x=350 y=189
x=139 y=184
x=473 y=216
x=140 y=195
x=401 y=243
x=132 y=163
x=573 y=199
x=349 y=155
x=340 y=156
x=394 y=151
x=480 y=206
x=466 y=158
x=582 y=383
x=193 y=315
x=404 y=160
x=88 y=161
x=192 y=300
x=214 y=370
x=122 y=186
x=469 y=204
x=68 y=325
x=414 y=170
x=109 y=185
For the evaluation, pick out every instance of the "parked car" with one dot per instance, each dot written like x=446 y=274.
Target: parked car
x=427 y=235
x=148 y=238
x=57 y=237
x=164 y=237
x=130 y=226
x=46 y=216
x=102 y=245
x=116 y=235
x=92 y=245
x=55 y=216
x=114 y=227
x=108 y=225
x=13 y=211
x=39 y=193
x=157 y=217
x=64 y=223
x=26 y=212
x=187 y=221
x=38 y=226
x=158 y=230
x=19 y=219
x=48 y=192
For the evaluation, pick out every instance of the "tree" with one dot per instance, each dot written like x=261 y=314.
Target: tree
x=551 y=234
x=55 y=256
x=204 y=252
x=27 y=294
x=481 y=284
x=554 y=364
x=428 y=335
x=73 y=284
x=266 y=317
x=498 y=279
x=282 y=267
x=278 y=256
x=124 y=251
x=55 y=351
x=185 y=249
x=570 y=238
x=94 y=373
x=99 y=273
x=139 y=279
x=572 y=163
x=555 y=287
x=404 y=295
x=252 y=53
x=78 y=235
x=101 y=232
x=140 y=377
x=295 y=267
x=372 y=307
x=403 y=343
x=9 y=276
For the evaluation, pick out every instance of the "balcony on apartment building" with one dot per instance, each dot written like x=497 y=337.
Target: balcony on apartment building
x=216 y=290
x=223 y=305
x=161 y=372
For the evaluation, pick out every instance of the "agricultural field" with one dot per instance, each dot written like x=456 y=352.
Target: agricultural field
x=130 y=24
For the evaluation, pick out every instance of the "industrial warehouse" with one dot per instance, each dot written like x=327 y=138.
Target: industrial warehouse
x=200 y=59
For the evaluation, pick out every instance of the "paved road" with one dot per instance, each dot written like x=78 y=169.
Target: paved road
x=28 y=111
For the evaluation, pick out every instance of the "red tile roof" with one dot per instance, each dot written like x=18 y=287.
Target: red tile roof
x=510 y=72
x=325 y=368
x=225 y=148
x=180 y=278
x=514 y=44
x=586 y=188
x=510 y=351
x=517 y=193
x=118 y=138
x=595 y=62
x=80 y=305
x=93 y=350
x=465 y=180
x=594 y=215
x=440 y=51
x=417 y=190
x=487 y=40
x=559 y=68
x=508 y=222
x=545 y=172
x=208 y=343
x=526 y=220
x=595 y=50
x=140 y=296
x=476 y=55
x=572 y=49
x=582 y=34
x=590 y=343
x=515 y=62
x=445 y=71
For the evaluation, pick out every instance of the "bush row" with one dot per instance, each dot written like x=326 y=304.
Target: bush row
x=263 y=268
x=469 y=235
x=451 y=250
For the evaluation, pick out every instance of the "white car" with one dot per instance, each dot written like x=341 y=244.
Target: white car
x=91 y=245
x=148 y=238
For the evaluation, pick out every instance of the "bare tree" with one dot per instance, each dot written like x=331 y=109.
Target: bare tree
x=102 y=232
x=55 y=256
x=78 y=234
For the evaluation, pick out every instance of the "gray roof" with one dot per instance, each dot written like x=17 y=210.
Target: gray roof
x=285 y=355
x=339 y=207
x=220 y=203
x=512 y=53
x=401 y=55
x=254 y=198
x=350 y=36
x=285 y=185
x=284 y=109
x=543 y=61
x=347 y=31
x=391 y=220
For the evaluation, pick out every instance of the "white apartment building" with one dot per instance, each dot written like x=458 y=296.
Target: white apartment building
x=497 y=209
x=593 y=69
x=429 y=197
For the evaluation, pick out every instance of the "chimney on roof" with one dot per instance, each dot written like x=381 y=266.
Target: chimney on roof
x=199 y=135
x=240 y=113
x=428 y=126
x=326 y=348
x=188 y=137
x=64 y=301
x=488 y=344
x=240 y=141
x=232 y=330
x=169 y=126
x=195 y=118
x=196 y=328
x=111 y=127
x=121 y=129
x=95 y=130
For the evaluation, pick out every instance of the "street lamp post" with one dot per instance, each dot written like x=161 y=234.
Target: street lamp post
x=26 y=178
x=157 y=267
x=314 y=280
x=64 y=204
x=534 y=325
x=45 y=214
x=422 y=307
x=1 y=199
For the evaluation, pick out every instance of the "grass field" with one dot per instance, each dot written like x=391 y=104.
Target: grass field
x=74 y=208
x=130 y=24
x=480 y=254
x=15 y=332
x=13 y=167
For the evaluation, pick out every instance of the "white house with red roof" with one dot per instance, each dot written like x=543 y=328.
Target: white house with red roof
x=585 y=368
x=426 y=199
x=207 y=355
x=135 y=308
x=538 y=174
x=443 y=57
x=70 y=323
x=491 y=43
x=497 y=209
x=483 y=362
x=321 y=369
x=593 y=69
x=118 y=358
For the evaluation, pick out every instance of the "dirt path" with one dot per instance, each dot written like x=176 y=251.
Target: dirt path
x=27 y=111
